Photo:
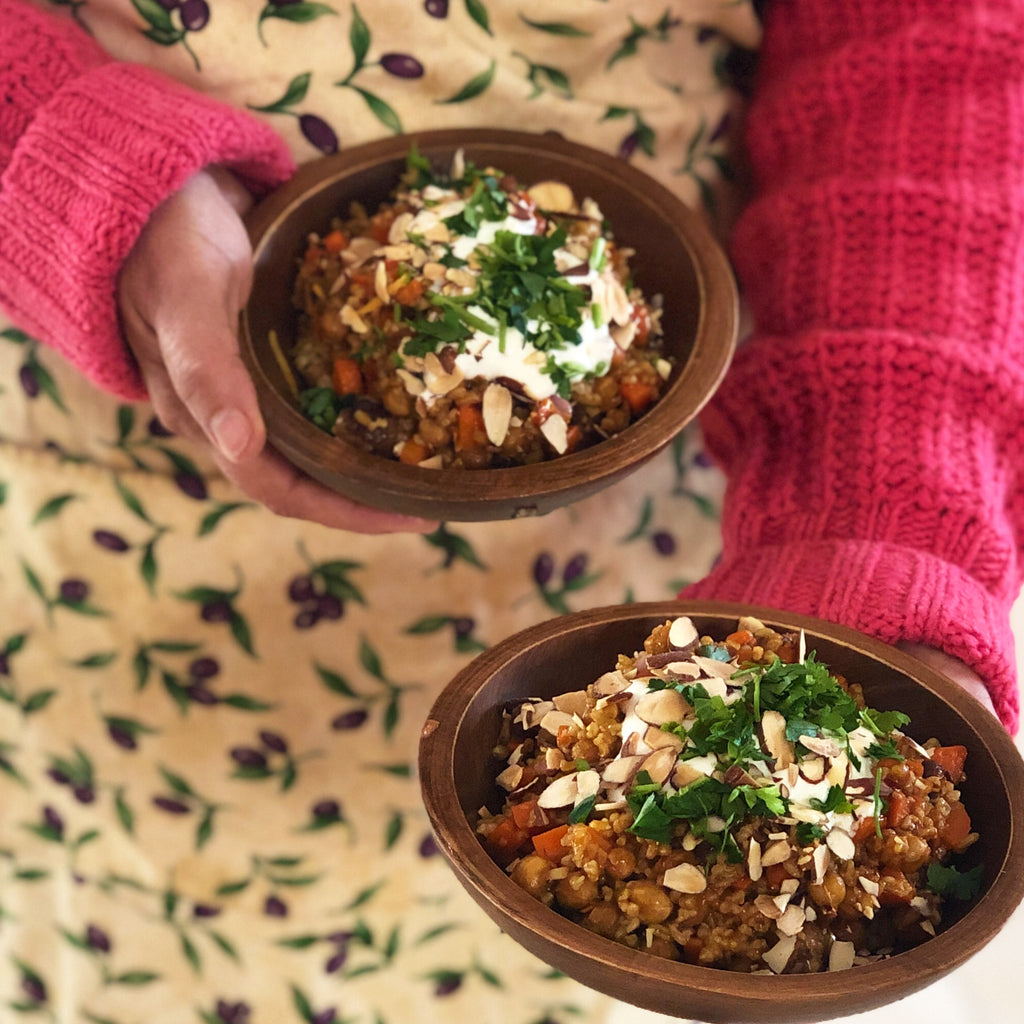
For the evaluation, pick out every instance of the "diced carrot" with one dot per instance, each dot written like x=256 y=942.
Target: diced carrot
x=471 y=432
x=637 y=395
x=564 y=736
x=412 y=453
x=957 y=826
x=549 y=844
x=530 y=817
x=409 y=294
x=573 y=436
x=335 y=242
x=951 y=760
x=506 y=841
x=380 y=225
x=899 y=804
x=346 y=377
x=739 y=638
x=895 y=889
x=864 y=830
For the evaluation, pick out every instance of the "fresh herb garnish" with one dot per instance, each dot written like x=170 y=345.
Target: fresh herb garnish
x=322 y=406
x=807 y=832
x=948 y=881
x=582 y=810
x=835 y=801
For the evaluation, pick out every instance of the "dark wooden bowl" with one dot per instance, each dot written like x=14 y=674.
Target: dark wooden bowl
x=676 y=257
x=562 y=653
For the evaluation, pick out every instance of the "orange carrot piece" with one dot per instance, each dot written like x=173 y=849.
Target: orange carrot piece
x=412 y=453
x=336 y=241
x=549 y=844
x=346 y=377
x=409 y=294
x=957 y=826
x=506 y=841
x=637 y=396
x=471 y=432
x=951 y=760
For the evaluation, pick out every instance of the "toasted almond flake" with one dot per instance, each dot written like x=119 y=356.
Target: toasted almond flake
x=572 y=703
x=380 y=282
x=413 y=385
x=838 y=770
x=553 y=196
x=792 y=921
x=713 y=667
x=682 y=633
x=687 y=878
x=622 y=769
x=822 y=745
x=767 y=906
x=789 y=886
x=656 y=738
x=840 y=843
x=813 y=769
x=928 y=927
x=773 y=725
x=555 y=430
x=437 y=379
x=792 y=774
x=776 y=853
x=869 y=885
x=398 y=232
x=588 y=783
x=510 y=777
x=438 y=233
x=609 y=683
x=359 y=250
x=460 y=278
x=684 y=774
x=810 y=913
x=560 y=793
x=754 y=860
x=664 y=368
x=778 y=956
x=691 y=842
x=401 y=253
x=434 y=462
x=782 y=900
x=497 y=411
x=683 y=670
x=350 y=318
x=660 y=706
x=554 y=720
x=434 y=271
x=458 y=168
x=840 y=955
x=777 y=835
x=659 y=765
x=553 y=759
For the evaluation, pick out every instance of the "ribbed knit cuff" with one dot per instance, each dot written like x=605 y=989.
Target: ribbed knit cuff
x=97 y=158
x=888 y=592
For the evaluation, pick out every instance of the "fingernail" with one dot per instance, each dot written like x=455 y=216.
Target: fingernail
x=231 y=432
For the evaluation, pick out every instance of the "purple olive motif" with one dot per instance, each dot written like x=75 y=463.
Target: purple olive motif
x=318 y=132
x=401 y=65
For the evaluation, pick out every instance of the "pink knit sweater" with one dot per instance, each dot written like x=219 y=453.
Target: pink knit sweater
x=871 y=430
x=88 y=148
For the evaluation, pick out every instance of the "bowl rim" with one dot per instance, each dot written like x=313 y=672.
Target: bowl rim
x=753 y=998
x=714 y=340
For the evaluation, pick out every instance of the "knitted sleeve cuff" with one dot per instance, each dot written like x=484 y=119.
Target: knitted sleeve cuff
x=889 y=592
x=97 y=158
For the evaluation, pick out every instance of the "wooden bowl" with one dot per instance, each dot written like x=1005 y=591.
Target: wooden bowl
x=676 y=257
x=562 y=653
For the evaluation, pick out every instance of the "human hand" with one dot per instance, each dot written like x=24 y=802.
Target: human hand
x=953 y=669
x=179 y=295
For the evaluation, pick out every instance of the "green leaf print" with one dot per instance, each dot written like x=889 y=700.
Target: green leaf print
x=52 y=508
x=454 y=546
x=162 y=29
x=381 y=110
x=474 y=87
x=300 y=13
x=294 y=93
x=212 y=519
x=358 y=39
x=556 y=28
x=478 y=12
x=630 y=43
x=18 y=337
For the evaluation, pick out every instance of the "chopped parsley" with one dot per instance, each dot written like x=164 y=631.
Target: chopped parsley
x=322 y=405
x=945 y=880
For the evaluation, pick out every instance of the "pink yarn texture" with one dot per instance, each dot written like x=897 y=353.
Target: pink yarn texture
x=872 y=428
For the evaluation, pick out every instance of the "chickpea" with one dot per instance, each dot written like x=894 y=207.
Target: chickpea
x=621 y=862
x=531 y=873
x=603 y=919
x=647 y=901
x=829 y=892
x=576 y=891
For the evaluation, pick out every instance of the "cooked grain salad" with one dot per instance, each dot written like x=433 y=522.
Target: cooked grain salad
x=472 y=322
x=731 y=803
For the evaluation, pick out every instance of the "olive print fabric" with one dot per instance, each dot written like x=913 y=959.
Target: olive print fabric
x=208 y=715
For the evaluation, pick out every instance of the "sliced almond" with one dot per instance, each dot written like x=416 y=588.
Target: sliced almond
x=587 y=783
x=754 y=860
x=358 y=251
x=776 y=853
x=622 y=769
x=398 y=232
x=657 y=738
x=553 y=196
x=460 y=278
x=661 y=706
x=556 y=432
x=497 y=411
x=401 y=253
x=610 y=683
x=773 y=725
x=713 y=667
x=560 y=793
x=553 y=759
x=623 y=334
x=510 y=777
x=434 y=271
x=350 y=318
x=413 y=385
x=778 y=956
x=659 y=765
x=682 y=633
x=840 y=955
x=380 y=282
x=821 y=860
x=437 y=379
x=825 y=746
x=684 y=774
x=767 y=906
x=813 y=769
x=840 y=844
x=572 y=703
x=869 y=885
x=792 y=920
x=554 y=720
x=687 y=878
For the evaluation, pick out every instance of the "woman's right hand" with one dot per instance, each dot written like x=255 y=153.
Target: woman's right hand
x=179 y=295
